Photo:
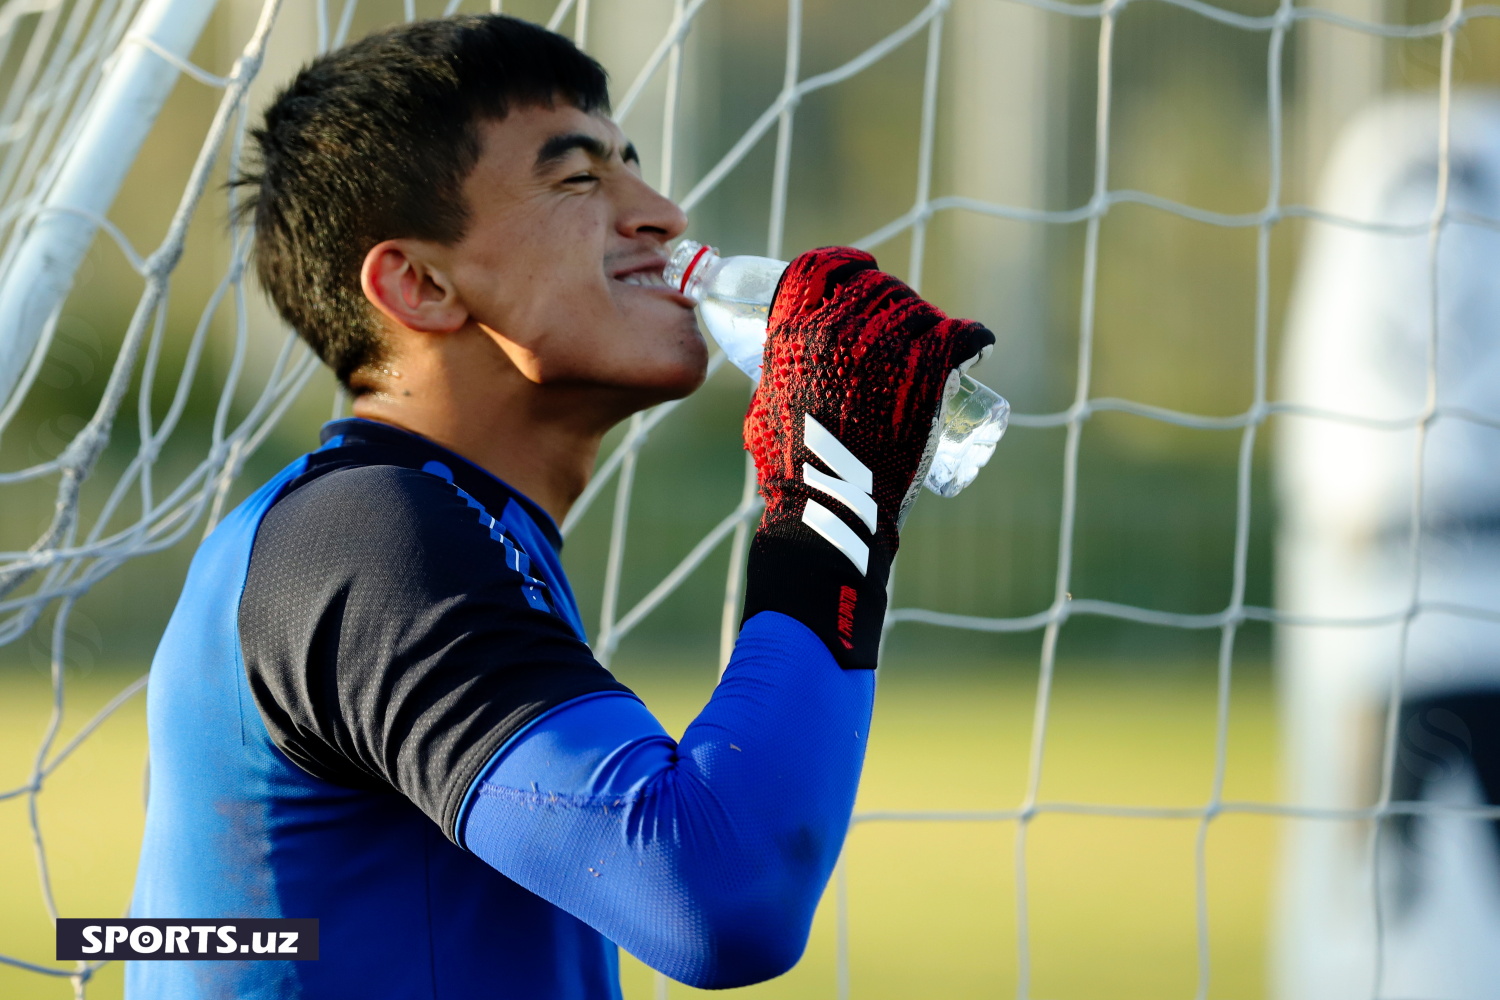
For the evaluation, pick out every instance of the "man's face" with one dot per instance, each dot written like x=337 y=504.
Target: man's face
x=563 y=256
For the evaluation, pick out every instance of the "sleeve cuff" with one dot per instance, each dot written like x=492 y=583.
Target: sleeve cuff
x=807 y=579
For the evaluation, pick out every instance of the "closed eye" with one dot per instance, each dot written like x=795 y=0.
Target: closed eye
x=580 y=179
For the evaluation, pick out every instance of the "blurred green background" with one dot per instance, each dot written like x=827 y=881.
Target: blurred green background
x=933 y=905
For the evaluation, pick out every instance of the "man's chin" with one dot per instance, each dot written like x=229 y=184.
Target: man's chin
x=663 y=384
x=677 y=384
x=682 y=374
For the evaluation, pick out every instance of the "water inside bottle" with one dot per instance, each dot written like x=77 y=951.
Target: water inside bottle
x=739 y=327
x=973 y=421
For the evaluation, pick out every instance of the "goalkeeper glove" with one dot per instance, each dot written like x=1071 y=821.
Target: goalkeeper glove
x=842 y=428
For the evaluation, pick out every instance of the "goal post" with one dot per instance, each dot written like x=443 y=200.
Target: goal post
x=52 y=225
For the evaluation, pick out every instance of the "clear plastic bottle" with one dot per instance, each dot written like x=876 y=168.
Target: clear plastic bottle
x=734 y=299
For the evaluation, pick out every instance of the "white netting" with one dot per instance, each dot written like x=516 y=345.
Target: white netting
x=53 y=56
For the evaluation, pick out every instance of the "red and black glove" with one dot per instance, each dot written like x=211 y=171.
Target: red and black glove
x=842 y=429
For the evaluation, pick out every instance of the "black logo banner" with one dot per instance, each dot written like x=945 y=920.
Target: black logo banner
x=216 y=939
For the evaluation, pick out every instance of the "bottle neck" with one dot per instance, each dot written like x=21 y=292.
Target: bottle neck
x=689 y=268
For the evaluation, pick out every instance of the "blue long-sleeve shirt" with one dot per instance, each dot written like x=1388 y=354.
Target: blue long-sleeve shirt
x=374 y=705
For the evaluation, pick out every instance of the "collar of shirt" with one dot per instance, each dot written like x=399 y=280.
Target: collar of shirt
x=398 y=446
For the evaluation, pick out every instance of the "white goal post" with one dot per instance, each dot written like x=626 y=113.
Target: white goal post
x=72 y=204
x=980 y=148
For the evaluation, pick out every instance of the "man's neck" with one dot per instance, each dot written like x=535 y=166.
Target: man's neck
x=541 y=440
x=552 y=483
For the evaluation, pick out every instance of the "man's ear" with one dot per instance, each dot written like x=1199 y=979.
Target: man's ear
x=401 y=282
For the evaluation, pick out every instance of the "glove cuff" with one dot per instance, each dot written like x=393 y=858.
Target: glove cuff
x=807 y=579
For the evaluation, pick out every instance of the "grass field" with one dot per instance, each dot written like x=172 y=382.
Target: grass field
x=933 y=905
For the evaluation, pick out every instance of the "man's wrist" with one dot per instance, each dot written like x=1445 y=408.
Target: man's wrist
x=796 y=573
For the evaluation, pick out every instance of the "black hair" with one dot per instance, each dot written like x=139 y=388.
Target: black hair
x=373 y=142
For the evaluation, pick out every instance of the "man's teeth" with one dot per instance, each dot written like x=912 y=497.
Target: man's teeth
x=650 y=279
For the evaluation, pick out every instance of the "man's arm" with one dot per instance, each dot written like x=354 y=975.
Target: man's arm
x=706 y=858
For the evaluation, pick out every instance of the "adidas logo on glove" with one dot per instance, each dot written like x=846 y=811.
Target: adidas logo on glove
x=851 y=485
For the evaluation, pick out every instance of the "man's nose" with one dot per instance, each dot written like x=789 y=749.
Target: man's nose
x=647 y=212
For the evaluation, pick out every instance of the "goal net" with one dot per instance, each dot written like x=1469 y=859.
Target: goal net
x=1244 y=299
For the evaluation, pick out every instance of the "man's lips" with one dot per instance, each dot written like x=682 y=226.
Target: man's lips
x=648 y=275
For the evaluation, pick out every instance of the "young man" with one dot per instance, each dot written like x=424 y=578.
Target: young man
x=375 y=704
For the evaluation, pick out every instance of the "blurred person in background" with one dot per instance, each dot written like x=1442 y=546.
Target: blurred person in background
x=1361 y=337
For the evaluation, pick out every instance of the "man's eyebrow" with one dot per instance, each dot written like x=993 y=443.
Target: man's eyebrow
x=559 y=146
